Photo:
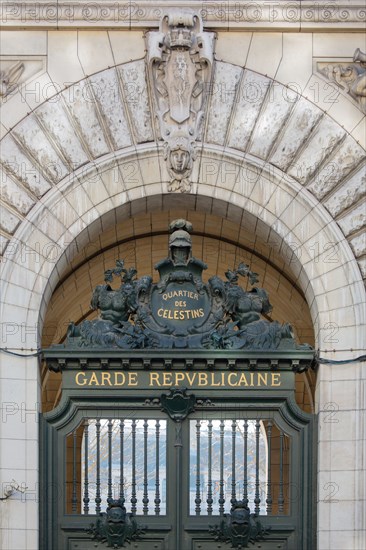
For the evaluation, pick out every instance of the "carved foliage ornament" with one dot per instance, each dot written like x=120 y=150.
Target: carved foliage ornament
x=181 y=310
x=180 y=57
x=350 y=77
x=9 y=78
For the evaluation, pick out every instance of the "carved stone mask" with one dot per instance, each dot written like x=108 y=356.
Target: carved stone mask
x=179 y=160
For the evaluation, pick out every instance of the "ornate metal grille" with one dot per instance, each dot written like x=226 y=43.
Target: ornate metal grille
x=118 y=459
x=234 y=460
x=229 y=460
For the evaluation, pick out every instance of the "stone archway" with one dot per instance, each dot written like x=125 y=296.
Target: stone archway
x=300 y=188
x=260 y=121
x=295 y=217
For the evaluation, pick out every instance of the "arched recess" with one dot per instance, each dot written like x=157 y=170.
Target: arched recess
x=94 y=147
x=321 y=258
x=223 y=237
x=64 y=222
x=301 y=228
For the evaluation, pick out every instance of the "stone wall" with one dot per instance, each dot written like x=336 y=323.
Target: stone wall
x=280 y=142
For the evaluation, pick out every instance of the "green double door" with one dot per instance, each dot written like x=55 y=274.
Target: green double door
x=180 y=478
x=179 y=466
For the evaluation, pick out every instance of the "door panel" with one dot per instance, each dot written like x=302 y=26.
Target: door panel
x=179 y=478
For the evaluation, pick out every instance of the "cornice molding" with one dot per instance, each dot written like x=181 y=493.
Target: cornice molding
x=280 y=15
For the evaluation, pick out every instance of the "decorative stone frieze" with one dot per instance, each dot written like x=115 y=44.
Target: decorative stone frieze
x=338 y=166
x=262 y=14
x=8 y=221
x=14 y=195
x=21 y=168
x=180 y=58
x=349 y=76
x=133 y=76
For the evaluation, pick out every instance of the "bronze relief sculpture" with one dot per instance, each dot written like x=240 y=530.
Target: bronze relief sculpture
x=181 y=310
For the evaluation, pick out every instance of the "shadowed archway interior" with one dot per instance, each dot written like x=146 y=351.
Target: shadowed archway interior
x=223 y=236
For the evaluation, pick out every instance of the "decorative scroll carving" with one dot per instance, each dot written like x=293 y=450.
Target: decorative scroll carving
x=350 y=77
x=240 y=527
x=70 y=13
x=180 y=58
x=9 y=78
x=116 y=526
x=180 y=310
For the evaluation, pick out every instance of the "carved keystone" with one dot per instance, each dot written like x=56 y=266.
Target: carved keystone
x=180 y=58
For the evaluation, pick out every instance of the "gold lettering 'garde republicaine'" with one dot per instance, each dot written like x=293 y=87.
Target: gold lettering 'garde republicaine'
x=133 y=380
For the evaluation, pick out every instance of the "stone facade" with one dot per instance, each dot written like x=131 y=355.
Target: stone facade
x=280 y=145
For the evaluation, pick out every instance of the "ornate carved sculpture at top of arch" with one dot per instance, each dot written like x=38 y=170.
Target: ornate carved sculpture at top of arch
x=180 y=57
